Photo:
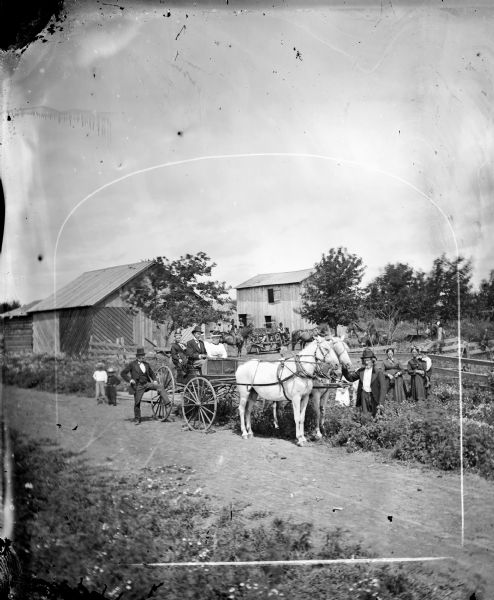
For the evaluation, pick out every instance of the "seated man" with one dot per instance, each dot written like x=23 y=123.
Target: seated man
x=141 y=378
x=214 y=349
x=179 y=357
x=195 y=350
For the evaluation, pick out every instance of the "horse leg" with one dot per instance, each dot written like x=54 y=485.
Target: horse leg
x=275 y=415
x=303 y=406
x=250 y=403
x=244 y=396
x=296 y=416
x=316 y=403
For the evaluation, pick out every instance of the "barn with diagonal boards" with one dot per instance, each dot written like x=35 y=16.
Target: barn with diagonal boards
x=91 y=309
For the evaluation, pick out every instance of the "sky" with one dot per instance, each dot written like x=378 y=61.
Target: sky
x=263 y=134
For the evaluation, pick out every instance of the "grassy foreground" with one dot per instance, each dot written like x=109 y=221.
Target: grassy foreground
x=79 y=528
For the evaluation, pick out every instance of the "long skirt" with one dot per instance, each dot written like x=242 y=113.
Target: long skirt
x=418 y=390
x=398 y=389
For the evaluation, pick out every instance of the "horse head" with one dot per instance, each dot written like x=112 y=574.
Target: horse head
x=324 y=352
x=340 y=348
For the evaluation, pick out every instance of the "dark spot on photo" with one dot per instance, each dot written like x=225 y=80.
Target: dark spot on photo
x=180 y=133
x=390 y=518
x=40 y=257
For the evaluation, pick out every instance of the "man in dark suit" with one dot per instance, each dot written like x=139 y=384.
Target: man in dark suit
x=179 y=357
x=371 y=389
x=141 y=378
x=196 y=350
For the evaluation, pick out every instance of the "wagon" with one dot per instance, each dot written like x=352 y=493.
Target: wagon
x=202 y=392
x=266 y=342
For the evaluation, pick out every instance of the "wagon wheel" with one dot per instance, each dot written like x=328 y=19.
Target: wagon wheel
x=162 y=409
x=199 y=404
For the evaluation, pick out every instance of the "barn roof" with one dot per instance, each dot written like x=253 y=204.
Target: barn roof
x=276 y=278
x=92 y=287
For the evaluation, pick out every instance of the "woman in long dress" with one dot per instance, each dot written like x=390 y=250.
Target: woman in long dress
x=394 y=376
x=417 y=368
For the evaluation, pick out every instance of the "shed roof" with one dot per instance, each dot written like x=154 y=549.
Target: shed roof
x=20 y=311
x=286 y=277
x=91 y=287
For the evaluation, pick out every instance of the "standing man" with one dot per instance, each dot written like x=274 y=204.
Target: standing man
x=141 y=378
x=196 y=350
x=371 y=389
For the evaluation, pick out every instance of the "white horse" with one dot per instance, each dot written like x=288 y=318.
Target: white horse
x=320 y=391
x=289 y=379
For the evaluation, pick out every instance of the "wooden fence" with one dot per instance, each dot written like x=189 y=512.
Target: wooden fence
x=444 y=367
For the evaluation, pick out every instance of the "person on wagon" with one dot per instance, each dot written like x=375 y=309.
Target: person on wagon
x=196 y=350
x=394 y=376
x=179 y=356
x=371 y=390
x=215 y=349
x=141 y=378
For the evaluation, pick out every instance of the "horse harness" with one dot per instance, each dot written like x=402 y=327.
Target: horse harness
x=299 y=371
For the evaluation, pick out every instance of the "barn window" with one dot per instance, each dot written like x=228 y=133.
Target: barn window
x=243 y=319
x=274 y=295
x=268 y=322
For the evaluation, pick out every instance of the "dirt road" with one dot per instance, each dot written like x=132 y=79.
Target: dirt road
x=396 y=511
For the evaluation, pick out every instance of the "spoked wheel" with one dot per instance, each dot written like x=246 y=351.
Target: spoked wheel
x=199 y=404
x=163 y=407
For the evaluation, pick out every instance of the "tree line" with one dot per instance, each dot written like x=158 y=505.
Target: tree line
x=335 y=295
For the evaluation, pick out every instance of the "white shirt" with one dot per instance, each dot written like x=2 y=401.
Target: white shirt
x=366 y=382
x=100 y=375
x=215 y=350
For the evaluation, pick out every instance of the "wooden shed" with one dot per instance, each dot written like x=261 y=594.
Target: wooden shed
x=17 y=329
x=271 y=298
x=91 y=309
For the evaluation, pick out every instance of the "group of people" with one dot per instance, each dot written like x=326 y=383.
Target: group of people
x=106 y=384
x=374 y=383
x=191 y=356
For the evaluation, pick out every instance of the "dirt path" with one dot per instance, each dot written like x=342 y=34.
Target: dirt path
x=394 y=510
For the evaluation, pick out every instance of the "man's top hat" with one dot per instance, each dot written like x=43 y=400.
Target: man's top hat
x=140 y=352
x=368 y=353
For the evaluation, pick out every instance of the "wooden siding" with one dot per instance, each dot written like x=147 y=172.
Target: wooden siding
x=75 y=330
x=18 y=334
x=254 y=303
x=111 y=324
x=145 y=328
x=45 y=332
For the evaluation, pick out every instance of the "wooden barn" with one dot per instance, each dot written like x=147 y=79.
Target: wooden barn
x=17 y=329
x=91 y=309
x=271 y=298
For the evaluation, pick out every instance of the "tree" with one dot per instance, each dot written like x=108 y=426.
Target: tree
x=332 y=293
x=388 y=295
x=441 y=288
x=8 y=305
x=180 y=293
x=484 y=299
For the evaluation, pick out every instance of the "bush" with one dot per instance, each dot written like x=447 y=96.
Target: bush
x=62 y=374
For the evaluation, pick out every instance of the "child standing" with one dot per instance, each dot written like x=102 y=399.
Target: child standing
x=111 y=387
x=100 y=377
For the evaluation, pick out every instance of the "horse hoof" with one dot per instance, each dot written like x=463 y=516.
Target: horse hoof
x=318 y=435
x=245 y=436
x=276 y=426
x=301 y=442
x=250 y=435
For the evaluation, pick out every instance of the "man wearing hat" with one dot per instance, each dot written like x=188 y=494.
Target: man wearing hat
x=371 y=389
x=196 y=350
x=215 y=349
x=141 y=378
